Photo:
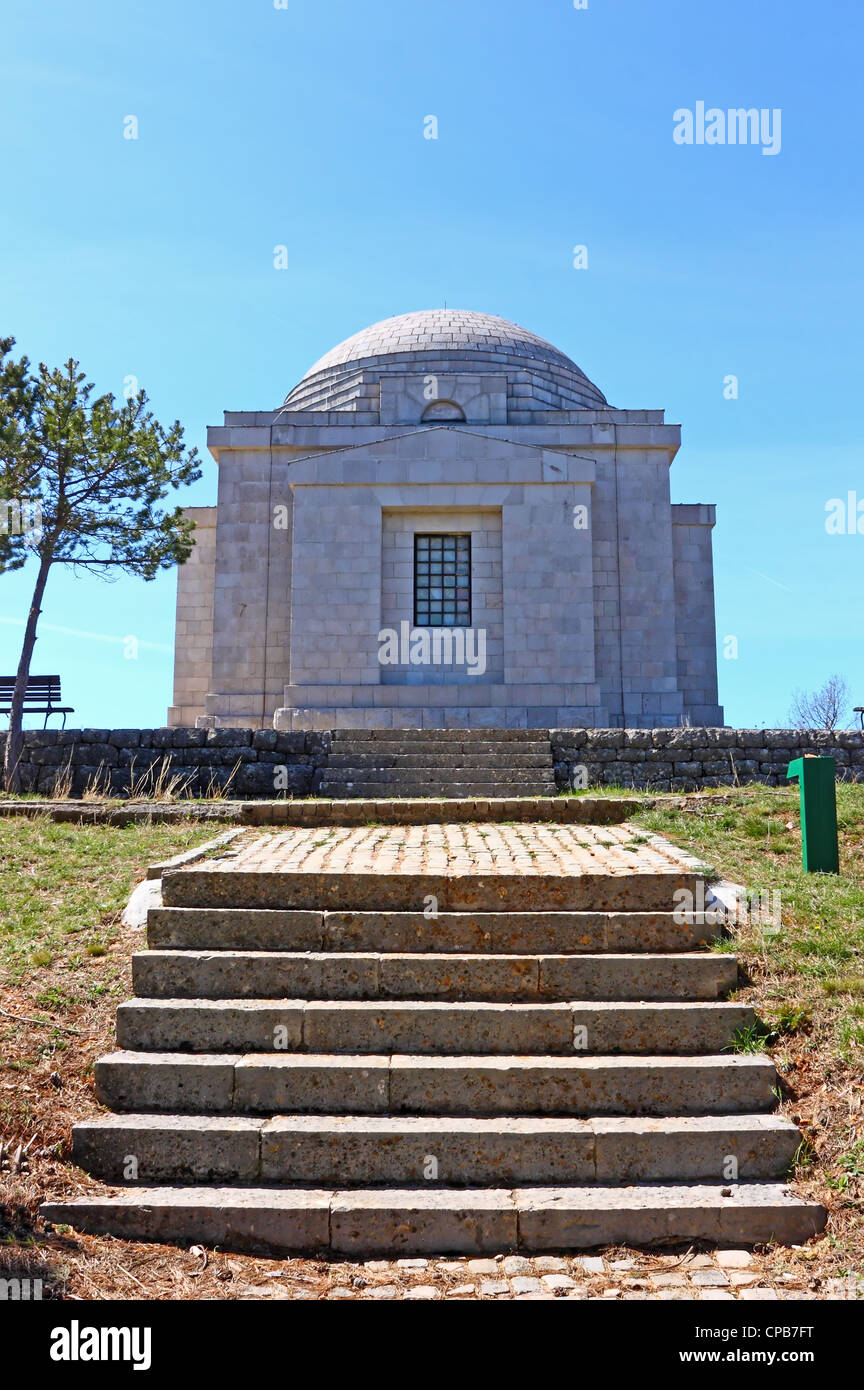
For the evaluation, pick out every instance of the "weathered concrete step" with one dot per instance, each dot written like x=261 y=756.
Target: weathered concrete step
x=433 y=736
x=384 y=1027
x=441 y=748
x=332 y=975
x=490 y=759
x=450 y=782
x=331 y=1084
x=443 y=755
x=580 y=1086
x=381 y=791
x=431 y=810
x=456 y=783
x=487 y=770
x=441 y=752
x=361 y=1150
x=554 y=933
x=636 y=891
x=420 y=1221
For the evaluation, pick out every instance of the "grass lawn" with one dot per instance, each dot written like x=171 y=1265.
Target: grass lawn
x=805 y=979
x=65 y=960
x=63 y=887
x=65 y=965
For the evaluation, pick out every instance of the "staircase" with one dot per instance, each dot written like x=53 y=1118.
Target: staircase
x=430 y=1039
x=379 y=763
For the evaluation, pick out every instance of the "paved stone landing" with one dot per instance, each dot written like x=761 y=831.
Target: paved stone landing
x=511 y=867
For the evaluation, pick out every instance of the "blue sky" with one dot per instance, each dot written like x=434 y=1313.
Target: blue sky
x=303 y=126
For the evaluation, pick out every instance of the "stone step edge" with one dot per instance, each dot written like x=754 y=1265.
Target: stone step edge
x=442 y=754
x=445 y=755
x=422 y=1221
x=441 y=737
x=440 y=788
x=526 y=978
x=318 y=926
x=149 y=1004
x=220 y=1083
x=430 y=1028
x=472 y=1061
x=392 y=1149
x=467 y=789
x=313 y=811
x=456 y=939
x=411 y=763
x=474 y=889
x=474 y=789
x=409 y=735
x=536 y=782
x=349 y=790
x=307 y=1123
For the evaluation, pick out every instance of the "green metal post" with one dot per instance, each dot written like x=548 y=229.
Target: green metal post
x=818 y=814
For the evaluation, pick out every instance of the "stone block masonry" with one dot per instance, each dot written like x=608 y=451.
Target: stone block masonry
x=687 y=759
x=200 y=762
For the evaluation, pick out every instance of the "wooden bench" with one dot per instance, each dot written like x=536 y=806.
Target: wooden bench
x=42 y=696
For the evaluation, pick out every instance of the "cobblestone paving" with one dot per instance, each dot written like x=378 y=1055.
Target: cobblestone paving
x=519 y=849
x=721 y=1276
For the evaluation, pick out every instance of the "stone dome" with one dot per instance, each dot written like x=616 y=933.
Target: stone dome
x=449 y=342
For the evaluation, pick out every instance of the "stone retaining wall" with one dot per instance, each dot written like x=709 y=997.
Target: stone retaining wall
x=685 y=759
x=262 y=763
x=124 y=762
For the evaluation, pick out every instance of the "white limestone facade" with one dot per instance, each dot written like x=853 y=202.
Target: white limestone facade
x=588 y=597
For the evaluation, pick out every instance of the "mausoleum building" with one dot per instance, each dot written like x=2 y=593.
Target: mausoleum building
x=446 y=525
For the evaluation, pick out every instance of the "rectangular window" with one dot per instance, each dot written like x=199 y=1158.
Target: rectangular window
x=442 y=581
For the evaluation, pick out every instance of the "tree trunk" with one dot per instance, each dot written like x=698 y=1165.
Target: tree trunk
x=15 y=737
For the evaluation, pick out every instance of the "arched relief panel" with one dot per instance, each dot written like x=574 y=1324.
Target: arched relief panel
x=442 y=411
x=410 y=400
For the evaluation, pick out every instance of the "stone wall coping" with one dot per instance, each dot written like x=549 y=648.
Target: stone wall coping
x=314 y=811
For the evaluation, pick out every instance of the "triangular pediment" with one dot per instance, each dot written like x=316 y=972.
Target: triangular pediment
x=457 y=450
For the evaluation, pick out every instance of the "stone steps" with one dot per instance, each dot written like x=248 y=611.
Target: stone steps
x=424 y=1220
x=361 y=1150
x=542 y=933
x=435 y=737
x=384 y=1027
x=335 y=1083
x=393 y=756
x=372 y=790
x=420 y=771
x=427 y=975
x=317 y=810
x=344 y=890
x=451 y=783
x=447 y=762
x=431 y=753
x=541 y=1063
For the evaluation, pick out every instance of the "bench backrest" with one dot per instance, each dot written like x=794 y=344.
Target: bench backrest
x=38 y=688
